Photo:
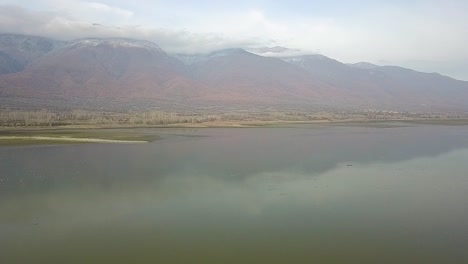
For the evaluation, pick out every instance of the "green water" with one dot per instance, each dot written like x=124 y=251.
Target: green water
x=308 y=194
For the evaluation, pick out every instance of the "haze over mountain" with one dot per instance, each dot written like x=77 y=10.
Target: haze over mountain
x=36 y=71
x=17 y=51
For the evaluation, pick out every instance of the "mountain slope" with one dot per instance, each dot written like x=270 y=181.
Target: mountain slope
x=117 y=71
x=8 y=64
x=388 y=86
x=236 y=73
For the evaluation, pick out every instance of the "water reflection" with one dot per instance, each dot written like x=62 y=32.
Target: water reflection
x=229 y=197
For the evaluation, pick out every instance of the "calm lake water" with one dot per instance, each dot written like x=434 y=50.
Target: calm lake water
x=330 y=194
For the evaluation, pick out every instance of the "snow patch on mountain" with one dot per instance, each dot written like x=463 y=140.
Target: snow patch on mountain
x=116 y=43
x=189 y=59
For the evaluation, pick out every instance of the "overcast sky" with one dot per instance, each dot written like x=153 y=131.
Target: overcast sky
x=430 y=35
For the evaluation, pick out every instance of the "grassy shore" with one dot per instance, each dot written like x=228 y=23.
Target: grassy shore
x=41 y=136
x=78 y=134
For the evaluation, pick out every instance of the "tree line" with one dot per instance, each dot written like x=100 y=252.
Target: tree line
x=44 y=117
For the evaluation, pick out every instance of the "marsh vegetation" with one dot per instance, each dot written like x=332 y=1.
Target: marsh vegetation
x=83 y=118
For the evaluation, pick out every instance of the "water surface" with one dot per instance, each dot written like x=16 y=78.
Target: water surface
x=397 y=194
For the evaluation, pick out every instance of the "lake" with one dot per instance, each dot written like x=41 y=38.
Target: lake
x=311 y=193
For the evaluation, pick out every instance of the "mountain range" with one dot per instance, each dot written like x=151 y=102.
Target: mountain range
x=110 y=73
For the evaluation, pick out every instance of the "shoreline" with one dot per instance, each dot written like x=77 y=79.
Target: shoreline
x=244 y=124
x=70 y=139
x=130 y=134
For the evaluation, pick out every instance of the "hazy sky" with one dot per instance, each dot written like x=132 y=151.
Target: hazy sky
x=430 y=35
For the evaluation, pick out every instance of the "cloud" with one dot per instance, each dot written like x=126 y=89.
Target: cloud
x=397 y=33
x=89 y=11
x=14 y=19
x=103 y=8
